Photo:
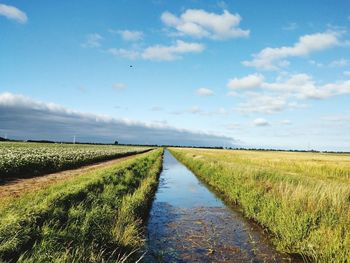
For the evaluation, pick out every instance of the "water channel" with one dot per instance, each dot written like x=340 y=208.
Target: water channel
x=189 y=223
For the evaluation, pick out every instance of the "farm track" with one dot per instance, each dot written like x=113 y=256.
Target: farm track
x=16 y=188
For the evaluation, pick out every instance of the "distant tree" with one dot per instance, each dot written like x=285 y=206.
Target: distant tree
x=116 y=142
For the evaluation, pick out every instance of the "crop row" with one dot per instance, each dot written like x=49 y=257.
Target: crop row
x=95 y=217
x=22 y=159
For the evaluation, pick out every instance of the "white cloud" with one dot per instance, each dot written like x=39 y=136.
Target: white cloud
x=342 y=62
x=195 y=110
x=119 y=86
x=347 y=73
x=201 y=24
x=172 y=52
x=248 y=82
x=13 y=13
x=315 y=63
x=262 y=103
x=275 y=58
x=204 y=92
x=92 y=41
x=159 y=52
x=261 y=122
x=300 y=86
x=303 y=86
x=24 y=118
x=129 y=35
x=125 y=53
x=222 y=4
x=291 y=26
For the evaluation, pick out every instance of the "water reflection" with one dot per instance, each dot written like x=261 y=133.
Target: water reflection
x=188 y=223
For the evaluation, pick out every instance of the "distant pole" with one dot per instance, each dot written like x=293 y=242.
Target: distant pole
x=74 y=139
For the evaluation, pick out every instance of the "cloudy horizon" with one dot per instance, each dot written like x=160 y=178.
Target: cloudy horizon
x=24 y=118
x=184 y=72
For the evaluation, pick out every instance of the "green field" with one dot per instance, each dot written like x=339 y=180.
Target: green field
x=94 y=217
x=302 y=199
x=27 y=159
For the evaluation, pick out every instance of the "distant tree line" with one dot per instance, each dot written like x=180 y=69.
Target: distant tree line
x=176 y=146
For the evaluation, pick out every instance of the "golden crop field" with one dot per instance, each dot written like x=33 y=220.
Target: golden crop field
x=302 y=199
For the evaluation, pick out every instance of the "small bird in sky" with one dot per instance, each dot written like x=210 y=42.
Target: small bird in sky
x=130 y=66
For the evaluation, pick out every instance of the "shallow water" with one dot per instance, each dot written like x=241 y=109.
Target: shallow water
x=188 y=223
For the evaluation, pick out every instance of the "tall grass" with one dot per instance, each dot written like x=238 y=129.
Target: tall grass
x=303 y=199
x=95 y=217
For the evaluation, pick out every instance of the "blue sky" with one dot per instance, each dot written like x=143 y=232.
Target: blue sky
x=265 y=73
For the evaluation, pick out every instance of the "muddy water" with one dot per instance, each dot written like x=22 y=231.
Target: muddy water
x=188 y=223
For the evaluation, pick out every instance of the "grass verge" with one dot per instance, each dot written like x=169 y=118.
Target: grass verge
x=95 y=217
x=303 y=200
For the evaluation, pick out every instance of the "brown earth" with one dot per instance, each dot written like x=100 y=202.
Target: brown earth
x=18 y=187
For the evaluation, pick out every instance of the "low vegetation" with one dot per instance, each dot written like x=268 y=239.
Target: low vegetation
x=302 y=199
x=94 y=217
x=21 y=159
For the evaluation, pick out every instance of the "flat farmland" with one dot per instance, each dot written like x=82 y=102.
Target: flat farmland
x=301 y=199
x=186 y=205
x=94 y=217
x=21 y=159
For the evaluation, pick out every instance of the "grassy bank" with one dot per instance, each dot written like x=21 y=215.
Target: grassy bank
x=94 y=217
x=20 y=159
x=303 y=199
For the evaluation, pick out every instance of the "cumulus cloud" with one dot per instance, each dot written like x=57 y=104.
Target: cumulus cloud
x=304 y=86
x=129 y=35
x=160 y=52
x=92 y=41
x=24 y=118
x=204 y=92
x=248 y=82
x=262 y=103
x=275 y=58
x=260 y=122
x=172 y=52
x=300 y=86
x=201 y=24
x=13 y=13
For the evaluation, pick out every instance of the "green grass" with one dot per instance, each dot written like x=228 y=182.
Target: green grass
x=302 y=199
x=27 y=159
x=95 y=217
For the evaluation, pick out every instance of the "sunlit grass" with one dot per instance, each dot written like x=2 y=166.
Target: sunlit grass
x=303 y=199
x=95 y=217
